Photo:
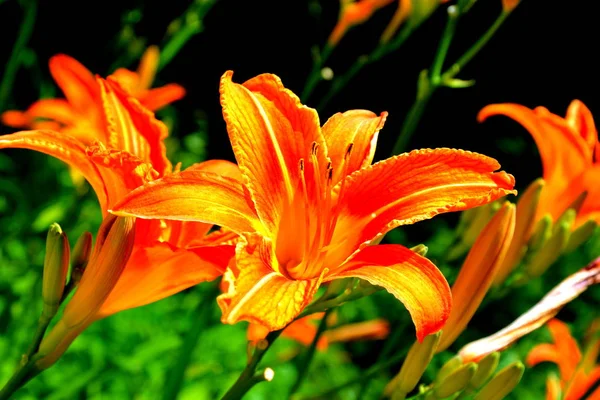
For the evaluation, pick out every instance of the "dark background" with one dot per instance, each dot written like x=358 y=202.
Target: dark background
x=543 y=55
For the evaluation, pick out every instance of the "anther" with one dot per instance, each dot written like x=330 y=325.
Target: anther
x=301 y=164
x=313 y=149
x=349 y=150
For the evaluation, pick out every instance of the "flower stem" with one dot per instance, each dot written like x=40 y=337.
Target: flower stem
x=8 y=78
x=306 y=359
x=248 y=378
x=315 y=74
x=435 y=79
x=191 y=21
x=22 y=375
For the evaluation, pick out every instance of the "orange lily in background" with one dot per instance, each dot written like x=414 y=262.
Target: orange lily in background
x=80 y=114
x=353 y=13
x=166 y=256
x=578 y=373
x=304 y=330
x=311 y=205
x=570 y=157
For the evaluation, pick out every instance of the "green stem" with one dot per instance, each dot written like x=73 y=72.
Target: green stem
x=305 y=361
x=24 y=374
x=437 y=79
x=200 y=317
x=43 y=323
x=371 y=372
x=315 y=74
x=192 y=25
x=475 y=49
x=12 y=66
x=248 y=378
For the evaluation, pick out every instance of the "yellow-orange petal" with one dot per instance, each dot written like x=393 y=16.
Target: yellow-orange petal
x=76 y=82
x=553 y=388
x=16 y=119
x=358 y=128
x=154 y=273
x=538 y=315
x=133 y=128
x=157 y=98
x=375 y=329
x=581 y=383
x=411 y=278
x=193 y=196
x=545 y=352
x=478 y=271
x=260 y=295
x=587 y=182
x=65 y=148
x=57 y=110
x=415 y=186
x=220 y=167
x=582 y=121
x=148 y=66
x=566 y=346
x=270 y=131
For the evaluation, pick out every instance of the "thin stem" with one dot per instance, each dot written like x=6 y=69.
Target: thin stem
x=305 y=361
x=412 y=120
x=43 y=323
x=444 y=46
x=200 y=317
x=22 y=375
x=475 y=49
x=248 y=377
x=192 y=25
x=315 y=74
x=30 y=9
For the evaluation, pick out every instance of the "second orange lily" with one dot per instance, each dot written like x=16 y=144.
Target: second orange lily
x=311 y=205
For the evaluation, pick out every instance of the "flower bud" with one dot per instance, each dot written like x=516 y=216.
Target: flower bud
x=413 y=367
x=111 y=253
x=580 y=235
x=455 y=382
x=56 y=266
x=80 y=256
x=503 y=383
x=485 y=369
x=524 y=222
x=509 y=5
x=449 y=367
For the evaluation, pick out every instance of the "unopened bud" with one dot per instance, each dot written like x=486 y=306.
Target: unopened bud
x=456 y=381
x=552 y=249
x=80 y=256
x=485 y=369
x=56 y=266
x=414 y=366
x=420 y=249
x=503 y=383
x=509 y=5
x=580 y=235
x=449 y=367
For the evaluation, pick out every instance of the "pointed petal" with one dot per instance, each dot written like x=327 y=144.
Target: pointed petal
x=133 y=128
x=76 y=82
x=260 y=295
x=154 y=273
x=220 y=167
x=357 y=127
x=544 y=352
x=582 y=121
x=411 y=278
x=54 y=109
x=148 y=66
x=566 y=346
x=415 y=186
x=193 y=196
x=65 y=148
x=270 y=131
x=155 y=99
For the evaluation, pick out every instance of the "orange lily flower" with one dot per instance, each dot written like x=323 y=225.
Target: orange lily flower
x=354 y=13
x=167 y=256
x=570 y=152
x=304 y=330
x=311 y=204
x=577 y=374
x=80 y=114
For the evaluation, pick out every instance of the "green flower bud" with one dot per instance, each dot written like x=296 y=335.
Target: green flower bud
x=455 y=382
x=56 y=266
x=503 y=383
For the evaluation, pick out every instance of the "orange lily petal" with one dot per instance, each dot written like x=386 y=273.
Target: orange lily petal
x=566 y=346
x=58 y=110
x=581 y=383
x=193 y=196
x=544 y=352
x=587 y=182
x=415 y=186
x=156 y=272
x=65 y=148
x=148 y=66
x=270 y=131
x=154 y=99
x=411 y=278
x=220 y=167
x=76 y=82
x=375 y=329
x=582 y=121
x=250 y=296
x=16 y=119
x=133 y=128
x=553 y=389
x=357 y=127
